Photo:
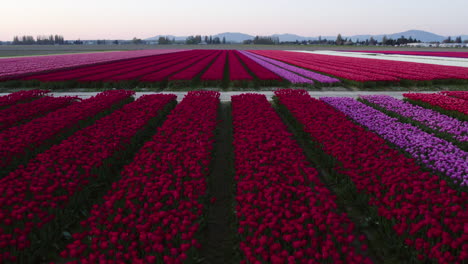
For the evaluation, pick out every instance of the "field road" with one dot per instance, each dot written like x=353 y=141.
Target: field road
x=226 y=96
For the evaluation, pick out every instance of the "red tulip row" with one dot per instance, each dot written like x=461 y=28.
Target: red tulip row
x=118 y=70
x=136 y=71
x=458 y=94
x=216 y=71
x=285 y=213
x=195 y=69
x=442 y=101
x=151 y=215
x=90 y=71
x=237 y=71
x=11 y=68
x=20 y=143
x=361 y=69
x=20 y=97
x=36 y=194
x=424 y=210
x=164 y=74
x=21 y=113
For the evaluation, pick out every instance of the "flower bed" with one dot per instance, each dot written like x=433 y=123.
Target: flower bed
x=21 y=143
x=422 y=210
x=430 y=118
x=151 y=215
x=20 y=97
x=39 y=198
x=435 y=153
x=309 y=74
x=21 y=113
x=285 y=214
x=442 y=102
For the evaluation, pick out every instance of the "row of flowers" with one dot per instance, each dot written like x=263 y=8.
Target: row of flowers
x=215 y=71
x=237 y=71
x=458 y=94
x=430 y=118
x=134 y=70
x=288 y=75
x=441 y=102
x=257 y=70
x=309 y=74
x=363 y=69
x=337 y=70
x=435 y=153
x=425 y=212
x=20 y=143
x=13 y=67
x=181 y=65
x=20 y=97
x=152 y=214
x=21 y=113
x=54 y=181
x=196 y=68
x=285 y=213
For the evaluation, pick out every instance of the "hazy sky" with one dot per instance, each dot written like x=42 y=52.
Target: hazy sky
x=125 y=19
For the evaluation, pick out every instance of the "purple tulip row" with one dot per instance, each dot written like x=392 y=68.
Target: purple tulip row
x=435 y=153
x=430 y=118
x=292 y=77
x=309 y=74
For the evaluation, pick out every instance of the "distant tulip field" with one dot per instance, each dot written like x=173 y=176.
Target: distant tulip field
x=120 y=178
x=221 y=68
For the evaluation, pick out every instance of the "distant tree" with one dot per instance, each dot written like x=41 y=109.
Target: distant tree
x=206 y=39
x=339 y=40
x=164 y=41
x=137 y=41
x=211 y=40
x=372 y=41
x=216 y=40
x=448 y=40
x=115 y=42
x=465 y=41
x=384 y=40
x=458 y=40
x=224 y=40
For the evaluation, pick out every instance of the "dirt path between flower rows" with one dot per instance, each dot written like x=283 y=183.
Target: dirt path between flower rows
x=219 y=243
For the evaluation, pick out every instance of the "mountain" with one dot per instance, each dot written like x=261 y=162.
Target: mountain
x=423 y=36
x=237 y=37
x=177 y=38
x=234 y=36
x=292 y=37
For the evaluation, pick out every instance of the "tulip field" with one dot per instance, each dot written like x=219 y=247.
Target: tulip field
x=233 y=69
x=122 y=178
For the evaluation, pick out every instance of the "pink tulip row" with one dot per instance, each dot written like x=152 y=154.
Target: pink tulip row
x=22 y=141
x=285 y=213
x=425 y=212
x=36 y=194
x=19 y=97
x=151 y=215
x=12 y=67
x=21 y=113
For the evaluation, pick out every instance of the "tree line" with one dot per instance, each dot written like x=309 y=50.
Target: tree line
x=39 y=40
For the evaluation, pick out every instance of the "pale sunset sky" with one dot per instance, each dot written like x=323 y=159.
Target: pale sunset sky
x=125 y=19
